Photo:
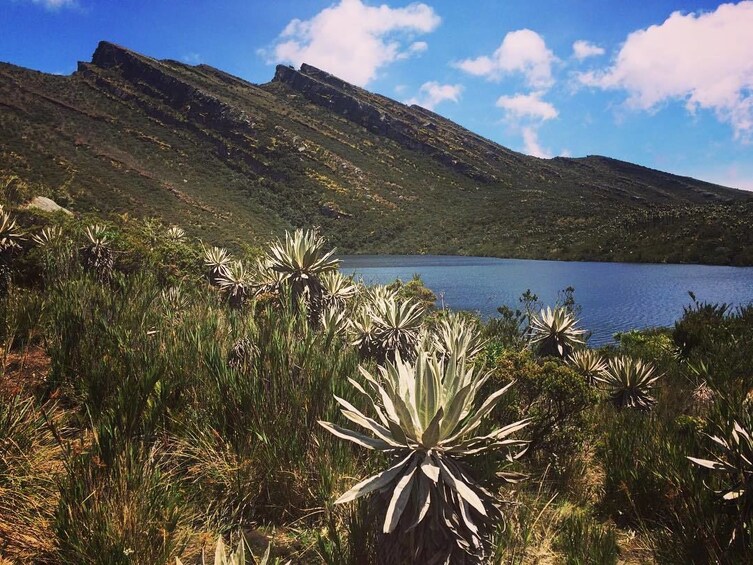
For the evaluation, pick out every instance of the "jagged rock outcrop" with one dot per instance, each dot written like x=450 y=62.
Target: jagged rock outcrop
x=342 y=98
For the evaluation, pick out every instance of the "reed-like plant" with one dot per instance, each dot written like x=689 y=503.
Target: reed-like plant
x=30 y=464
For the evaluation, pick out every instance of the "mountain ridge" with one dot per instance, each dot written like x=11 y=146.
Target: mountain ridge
x=229 y=159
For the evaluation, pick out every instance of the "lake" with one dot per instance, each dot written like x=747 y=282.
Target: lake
x=614 y=297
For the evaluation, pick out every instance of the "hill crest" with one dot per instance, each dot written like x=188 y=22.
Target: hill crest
x=229 y=159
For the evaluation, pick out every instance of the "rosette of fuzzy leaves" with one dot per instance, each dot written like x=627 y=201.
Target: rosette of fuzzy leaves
x=629 y=382
x=455 y=335
x=97 y=256
x=235 y=283
x=216 y=260
x=301 y=261
x=554 y=332
x=588 y=363
x=337 y=289
x=10 y=238
x=427 y=419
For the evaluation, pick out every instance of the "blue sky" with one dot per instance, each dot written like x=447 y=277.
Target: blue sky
x=666 y=84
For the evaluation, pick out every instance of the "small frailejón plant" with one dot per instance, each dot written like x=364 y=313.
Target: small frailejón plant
x=426 y=421
x=334 y=322
x=216 y=259
x=588 y=363
x=364 y=334
x=629 y=382
x=235 y=283
x=554 y=332
x=175 y=233
x=10 y=238
x=389 y=327
x=454 y=335
x=96 y=255
x=301 y=261
x=735 y=458
x=267 y=281
x=47 y=236
x=57 y=252
x=337 y=289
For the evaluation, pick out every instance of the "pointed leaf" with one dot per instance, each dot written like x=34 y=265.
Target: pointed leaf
x=429 y=469
x=461 y=488
x=399 y=499
x=373 y=483
x=430 y=437
x=355 y=437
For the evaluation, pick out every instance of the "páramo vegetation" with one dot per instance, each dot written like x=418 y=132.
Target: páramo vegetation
x=164 y=400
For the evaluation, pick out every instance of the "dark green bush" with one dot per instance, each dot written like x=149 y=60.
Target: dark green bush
x=554 y=396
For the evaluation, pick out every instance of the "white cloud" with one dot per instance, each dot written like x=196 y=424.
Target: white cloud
x=415 y=48
x=55 y=4
x=432 y=93
x=531 y=144
x=703 y=59
x=522 y=51
x=418 y=47
x=527 y=106
x=583 y=49
x=353 y=41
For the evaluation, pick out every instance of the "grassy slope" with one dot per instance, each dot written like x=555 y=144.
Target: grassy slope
x=232 y=161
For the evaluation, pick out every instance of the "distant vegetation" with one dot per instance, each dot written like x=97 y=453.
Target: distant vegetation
x=234 y=163
x=157 y=393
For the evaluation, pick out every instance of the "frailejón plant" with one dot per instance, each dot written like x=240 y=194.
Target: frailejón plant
x=96 y=255
x=301 y=261
x=554 y=332
x=215 y=260
x=235 y=283
x=735 y=459
x=629 y=382
x=426 y=421
x=588 y=363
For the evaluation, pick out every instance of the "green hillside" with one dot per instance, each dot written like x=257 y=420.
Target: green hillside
x=236 y=162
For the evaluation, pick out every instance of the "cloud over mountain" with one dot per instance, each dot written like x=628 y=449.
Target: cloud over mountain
x=704 y=59
x=354 y=41
x=432 y=93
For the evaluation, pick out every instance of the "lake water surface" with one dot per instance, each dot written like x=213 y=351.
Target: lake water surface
x=614 y=296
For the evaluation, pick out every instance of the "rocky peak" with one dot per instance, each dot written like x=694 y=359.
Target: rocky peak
x=377 y=114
